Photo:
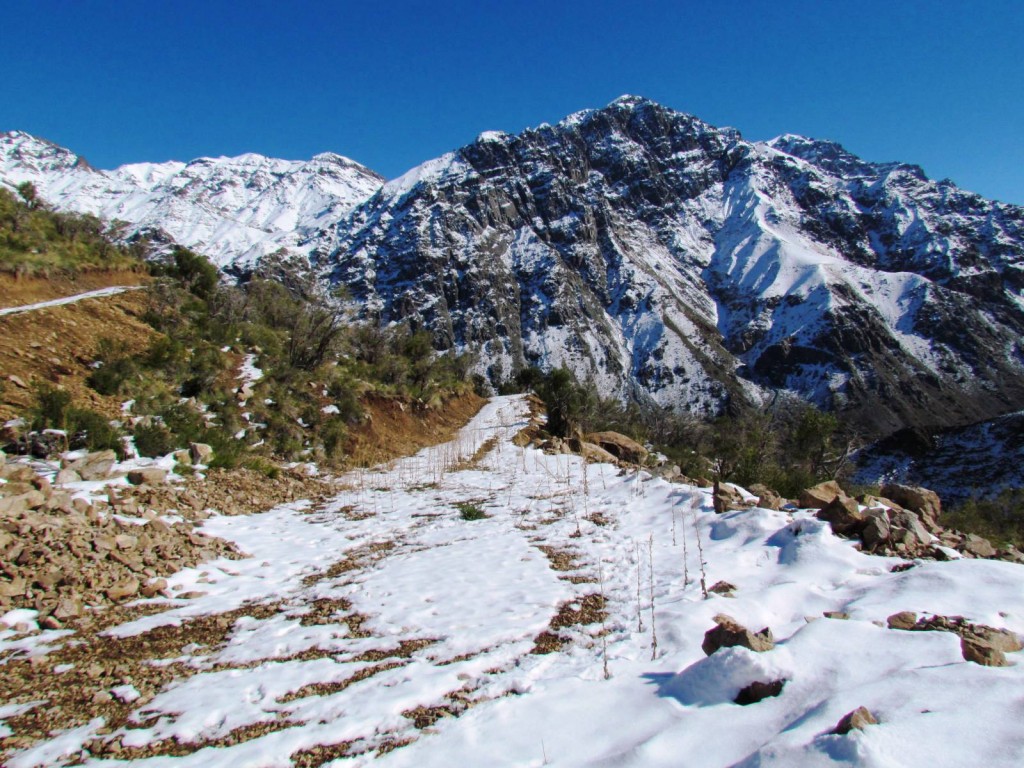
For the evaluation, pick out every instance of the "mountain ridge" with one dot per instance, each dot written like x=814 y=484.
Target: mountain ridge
x=669 y=261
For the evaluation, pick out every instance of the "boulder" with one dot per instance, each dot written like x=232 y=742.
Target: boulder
x=182 y=457
x=727 y=633
x=820 y=496
x=147 y=476
x=65 y=476
x=17 y=473
x=123 y=590
x=94 y=466
x=905 y=528
x=620 y=446
x=902 y=620
x=977 y=546
x=201 y=453
x=926 y=503
x=766 y=497
x=726 y=497
x=596 y=453
x=843 y=514
x=980 y=652
x=858 y=719
x=876 y=528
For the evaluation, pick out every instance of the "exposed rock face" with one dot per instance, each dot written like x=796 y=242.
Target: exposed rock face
x=676 y=263
x=821 y=495
x=620 y=446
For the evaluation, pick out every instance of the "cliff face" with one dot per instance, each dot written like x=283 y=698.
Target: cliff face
x=675 y=263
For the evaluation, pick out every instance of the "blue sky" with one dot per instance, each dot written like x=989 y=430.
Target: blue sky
x=393 y=84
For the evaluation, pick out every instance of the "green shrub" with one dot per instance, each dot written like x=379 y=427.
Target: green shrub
x=153 y=439
x=470 y=511
x=93 y=431
x=51 y=407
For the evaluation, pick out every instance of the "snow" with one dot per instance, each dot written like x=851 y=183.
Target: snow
x=98 y=293
x=467 y=598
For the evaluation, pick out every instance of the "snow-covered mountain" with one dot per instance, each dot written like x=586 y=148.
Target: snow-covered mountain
x=667 y=260
x=675 y=262
x=233 y=209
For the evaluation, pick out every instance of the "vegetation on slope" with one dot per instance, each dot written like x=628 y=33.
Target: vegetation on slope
x=37 y=240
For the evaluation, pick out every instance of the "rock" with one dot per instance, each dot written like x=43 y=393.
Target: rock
x=727 y=633
x=153 y=587
x=841 y=615
x=147 y=476
x=926 y=503
x=50 y=622
x=858 y=719
x=66 y=476
x=820 y=496
x=94 y=466
x=766 y=497
x=905 y=528
x=726 y=498
x=722 y=588
x=620 y=446
x=123 y=590
x=902 y=620
x=1001 y=639
x=843 y=514
x=758 y=691
x=182 y=457
x=980 y=652
x=201 y=453
x=67 y=607
x=14 y=505
x=876 y=528
x=17 y=473
x=17 y=381
x=596 y=453
x=977 y=546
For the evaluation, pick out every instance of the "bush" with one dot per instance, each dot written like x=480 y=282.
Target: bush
x=470 y=511
x=153 y=439
x=92 y=431
x=51 y=408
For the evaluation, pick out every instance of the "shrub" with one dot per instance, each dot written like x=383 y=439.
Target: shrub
x=470 y=511
x=51 y=407
x=153 y=439
x=92 y=431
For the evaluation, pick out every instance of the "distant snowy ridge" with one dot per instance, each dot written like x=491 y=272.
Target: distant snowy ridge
x=232 y=209
x=677 y=264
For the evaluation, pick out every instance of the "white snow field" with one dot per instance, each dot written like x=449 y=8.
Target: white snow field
x=98 y=293
x=432 y=610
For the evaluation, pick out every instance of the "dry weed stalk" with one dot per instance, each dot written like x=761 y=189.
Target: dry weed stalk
x=654 y=629
x=639 y=607
x=700 y=554
x=604 y=625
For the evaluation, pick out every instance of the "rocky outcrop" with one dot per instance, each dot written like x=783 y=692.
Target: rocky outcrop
x=675 y=263
x=979 y=643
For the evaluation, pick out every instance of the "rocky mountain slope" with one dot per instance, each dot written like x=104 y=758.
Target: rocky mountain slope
x=232 y=209
x=669 y=261
x=674 y=262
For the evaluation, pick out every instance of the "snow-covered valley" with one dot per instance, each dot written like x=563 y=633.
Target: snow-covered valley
x=486 y=604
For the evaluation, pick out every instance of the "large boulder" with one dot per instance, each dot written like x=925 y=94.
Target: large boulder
x=726 y=497
x=926 y=503
x=93 y=466
x=844 y=515
x=820 y=496
x=728 y=633
x=620 y=446
x=595 y=453
x=766 y=497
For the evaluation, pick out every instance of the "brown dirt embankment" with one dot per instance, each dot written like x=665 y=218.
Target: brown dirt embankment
x=28 y=289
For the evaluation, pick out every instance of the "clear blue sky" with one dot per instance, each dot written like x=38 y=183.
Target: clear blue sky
x=393 y=84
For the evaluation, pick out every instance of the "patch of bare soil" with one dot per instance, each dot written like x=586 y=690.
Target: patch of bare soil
x=394 y=428
x=588 y=610
x=94 y=664
x=57 y=345
x=18 y=291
